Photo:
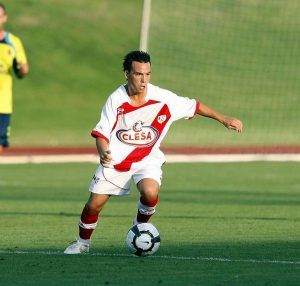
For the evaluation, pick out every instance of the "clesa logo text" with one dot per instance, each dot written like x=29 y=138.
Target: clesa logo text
x=138 y=135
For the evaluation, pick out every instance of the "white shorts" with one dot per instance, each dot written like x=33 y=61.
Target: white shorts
x=112 y=182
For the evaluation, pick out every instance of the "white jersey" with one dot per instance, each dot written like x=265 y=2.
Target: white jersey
x=134 y=133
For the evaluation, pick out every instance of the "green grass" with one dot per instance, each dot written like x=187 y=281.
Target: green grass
x=240 y=211
x=241 y=58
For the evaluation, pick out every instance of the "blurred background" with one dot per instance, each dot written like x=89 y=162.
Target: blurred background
x=240 y=57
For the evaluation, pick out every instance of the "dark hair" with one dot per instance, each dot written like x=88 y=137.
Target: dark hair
x=135 y=56
x=3 y=7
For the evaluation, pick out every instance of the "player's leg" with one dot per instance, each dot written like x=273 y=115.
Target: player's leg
x=148 y=180
x=87 y=223
x=4 y=130
x=106 y=182
x=89 y=216
x=148 y=189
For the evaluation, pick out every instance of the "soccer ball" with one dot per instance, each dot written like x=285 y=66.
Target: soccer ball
x=143 y=239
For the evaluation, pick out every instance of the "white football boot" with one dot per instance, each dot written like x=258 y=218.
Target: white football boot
x=79 y=246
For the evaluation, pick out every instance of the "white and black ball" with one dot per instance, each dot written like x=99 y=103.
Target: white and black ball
x=143 y=239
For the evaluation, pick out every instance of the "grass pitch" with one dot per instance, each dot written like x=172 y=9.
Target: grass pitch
x=221 y=224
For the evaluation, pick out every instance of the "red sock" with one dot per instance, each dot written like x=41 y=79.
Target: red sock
x=87 y=224
x=146 y=210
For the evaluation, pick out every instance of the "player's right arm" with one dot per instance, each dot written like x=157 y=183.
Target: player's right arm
x=104 y=152
x=102 y=132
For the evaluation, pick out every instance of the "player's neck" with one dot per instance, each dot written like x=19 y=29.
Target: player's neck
x=136 y=98
x=2 y=33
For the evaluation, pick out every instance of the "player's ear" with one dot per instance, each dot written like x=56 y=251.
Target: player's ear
x=126 y=73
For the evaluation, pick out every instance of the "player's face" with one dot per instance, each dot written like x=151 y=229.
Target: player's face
x=3 y=18
x=138 y=77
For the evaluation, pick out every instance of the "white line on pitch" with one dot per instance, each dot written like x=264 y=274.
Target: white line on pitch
x=176 y=158
x=197 y=258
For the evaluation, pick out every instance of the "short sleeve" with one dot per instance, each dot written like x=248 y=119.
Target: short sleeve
x=107 y=121
x=20 y=52
x=181 y=107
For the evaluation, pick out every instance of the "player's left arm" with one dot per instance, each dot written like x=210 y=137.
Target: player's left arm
x=20 y=64
x=228 y=121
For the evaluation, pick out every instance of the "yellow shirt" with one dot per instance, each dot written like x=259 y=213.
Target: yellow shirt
x=10 y=47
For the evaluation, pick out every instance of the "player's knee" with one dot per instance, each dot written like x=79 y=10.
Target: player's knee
x=149 y=193
x=149 y=189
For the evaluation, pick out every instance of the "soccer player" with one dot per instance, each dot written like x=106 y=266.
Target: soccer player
x=134 y=120
x=12 y=59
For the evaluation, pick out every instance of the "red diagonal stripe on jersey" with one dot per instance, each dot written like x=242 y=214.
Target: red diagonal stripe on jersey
x=140 y=153
x=126 y=107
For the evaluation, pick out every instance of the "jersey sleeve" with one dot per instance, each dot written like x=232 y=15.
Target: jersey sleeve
x=107 y=121
x=182 y=107
x=20 y=51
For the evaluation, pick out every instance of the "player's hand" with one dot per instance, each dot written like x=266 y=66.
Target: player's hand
x=17 y=68
x=233 y=124
x=105 y=158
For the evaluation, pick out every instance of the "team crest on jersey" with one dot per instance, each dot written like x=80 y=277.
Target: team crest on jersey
x=138 y=126
x=161 y=118
x=139 y=135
